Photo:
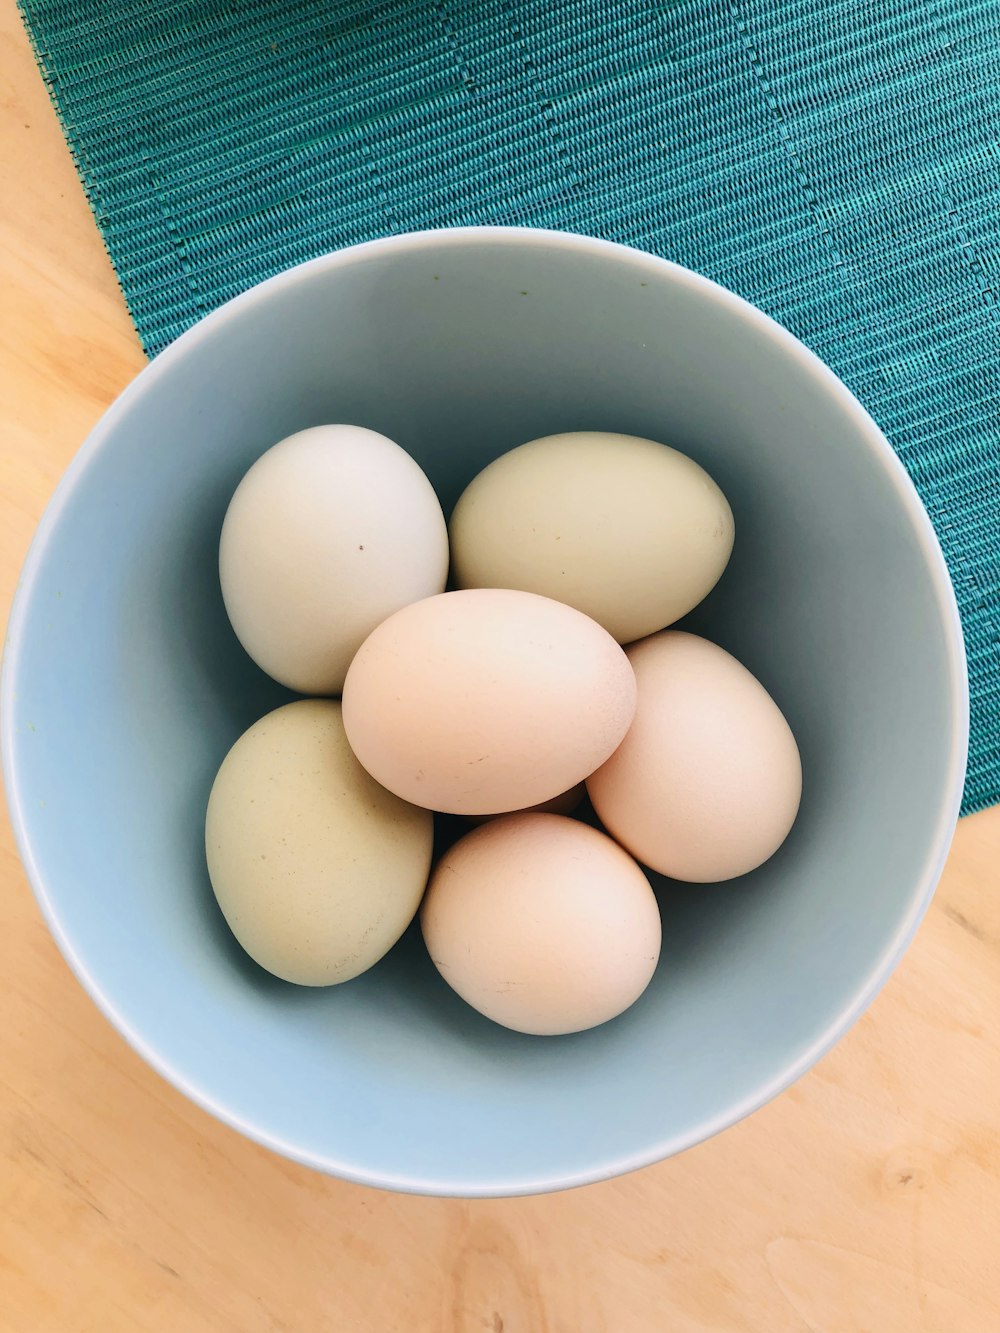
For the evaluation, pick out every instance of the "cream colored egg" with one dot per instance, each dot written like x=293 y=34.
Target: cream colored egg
x=318 y=870
x=486 y=701
x=542 y=924
x=630 y=532
x=706 y=785
x=329 y=532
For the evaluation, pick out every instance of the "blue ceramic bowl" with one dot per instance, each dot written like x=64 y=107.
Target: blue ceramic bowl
x=124 y=687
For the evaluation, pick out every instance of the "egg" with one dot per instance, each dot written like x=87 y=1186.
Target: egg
x=485 y=701
x=707 y=783
x=628 y=531
x=542 y=923
x=330 y=531
x=563 y=804
x=317 y=869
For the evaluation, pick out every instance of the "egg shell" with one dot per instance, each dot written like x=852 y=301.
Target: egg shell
x=317 y=869
x=563 y=804
x=329 y=532
x=542 y=923
x=707 y=783
x=630 y=532
x=486 y=701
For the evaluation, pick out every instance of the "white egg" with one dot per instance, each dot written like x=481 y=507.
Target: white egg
x=318 y=870
x=330 y=532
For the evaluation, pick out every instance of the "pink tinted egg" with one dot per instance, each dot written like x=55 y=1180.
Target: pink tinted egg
x=542 y=923
x=706 y=785
x=486 y=700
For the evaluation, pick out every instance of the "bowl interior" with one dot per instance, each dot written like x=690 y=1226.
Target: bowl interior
x=126 y=686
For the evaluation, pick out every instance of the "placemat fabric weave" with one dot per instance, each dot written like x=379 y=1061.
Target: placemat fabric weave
x=836 y=162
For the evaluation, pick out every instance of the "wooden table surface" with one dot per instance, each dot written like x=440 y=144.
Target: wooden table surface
x=864 y=1200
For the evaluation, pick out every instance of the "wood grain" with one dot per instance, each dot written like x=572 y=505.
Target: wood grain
x=864 y=1200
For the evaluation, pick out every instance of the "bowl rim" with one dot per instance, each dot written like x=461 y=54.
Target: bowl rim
x=505 y=1183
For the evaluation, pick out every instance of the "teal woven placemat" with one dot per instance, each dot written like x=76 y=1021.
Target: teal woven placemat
x=837 y=162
